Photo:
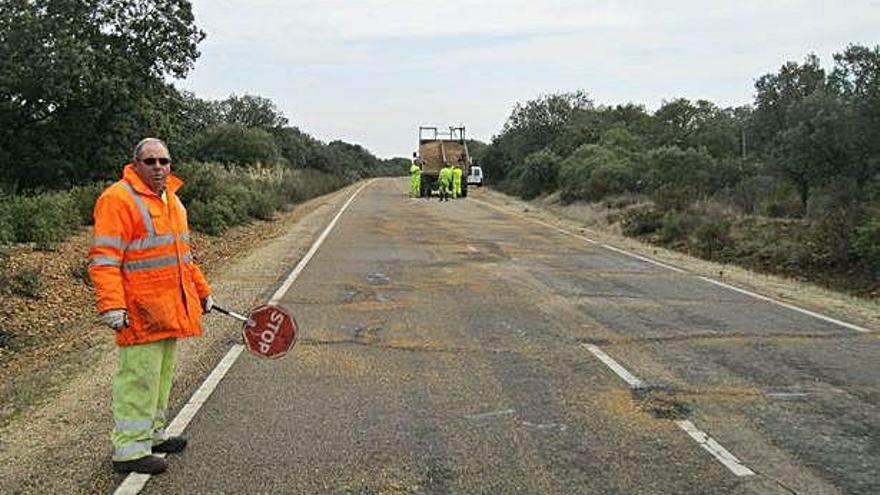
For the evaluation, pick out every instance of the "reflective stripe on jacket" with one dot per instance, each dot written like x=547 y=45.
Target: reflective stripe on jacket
x=140 y=260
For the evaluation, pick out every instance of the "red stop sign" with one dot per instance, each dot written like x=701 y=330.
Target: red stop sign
x=270 y=332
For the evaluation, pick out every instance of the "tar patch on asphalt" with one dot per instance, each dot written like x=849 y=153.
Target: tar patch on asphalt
x=661 y=403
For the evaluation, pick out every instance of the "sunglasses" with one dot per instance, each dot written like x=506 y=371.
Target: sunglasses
x=153 y=161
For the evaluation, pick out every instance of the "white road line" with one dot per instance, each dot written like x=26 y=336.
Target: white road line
x=642 y=258
x=704 y=440
x=622 y=372
x=786 y=305
x=314 y=249
x=492 y=414
x=716 y=449
x=134 y=482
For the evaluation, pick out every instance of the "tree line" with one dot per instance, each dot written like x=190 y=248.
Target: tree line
x=804 y=155
x=82 y=80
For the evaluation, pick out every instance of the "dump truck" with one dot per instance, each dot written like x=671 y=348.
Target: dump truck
x=438 y=147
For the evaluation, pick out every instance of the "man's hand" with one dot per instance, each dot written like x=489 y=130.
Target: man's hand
x=114 y=318
x=207 y=304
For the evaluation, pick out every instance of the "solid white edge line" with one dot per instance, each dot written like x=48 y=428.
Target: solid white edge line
x=135 y=482
x=704 y=440
x=679 y=270
x=314 y=249
x=642 y=258
x=716 y=449
x=786 y=305
x=619 y=370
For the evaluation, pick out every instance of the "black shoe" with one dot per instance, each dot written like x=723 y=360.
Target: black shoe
x=171 y=445
x=145 y=465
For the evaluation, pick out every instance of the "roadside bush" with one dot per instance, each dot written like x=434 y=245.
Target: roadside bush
x=84 y=198
x=677 y=226
x=594 y=171
x=608 y=178
x=671 y=168
x=7 y=233
x=538 y=174
x=713 y=238
x=24 y=283
x=866 y=244
x=641 y=221
x=45 y=219
x=210 y=218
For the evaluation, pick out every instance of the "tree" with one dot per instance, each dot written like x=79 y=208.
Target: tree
x=252 y=111
x=86 y=75
x=816 y=144
x=235 y=143
x=856 y=77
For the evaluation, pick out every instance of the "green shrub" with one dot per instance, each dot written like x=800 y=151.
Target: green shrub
x=866 y=244
x=677 y=226
x=84 y=198
x=594 y=171
x=611 y=177
x=641 y=221
x=209 y=218
x=538 y=174
x=7 y=229
x=713 y=238
x=45 y=219
x=25 y=283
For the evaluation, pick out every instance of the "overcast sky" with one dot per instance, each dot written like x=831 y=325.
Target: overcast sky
x=372 y=71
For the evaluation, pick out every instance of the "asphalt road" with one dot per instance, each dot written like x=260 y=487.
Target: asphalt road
x=446 y=349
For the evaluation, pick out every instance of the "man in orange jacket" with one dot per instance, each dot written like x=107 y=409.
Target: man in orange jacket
x=151 y=293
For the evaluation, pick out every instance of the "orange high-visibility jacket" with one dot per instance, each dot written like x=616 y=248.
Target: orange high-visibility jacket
x=140 y=260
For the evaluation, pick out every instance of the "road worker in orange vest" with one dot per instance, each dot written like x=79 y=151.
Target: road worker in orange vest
x=150 y=292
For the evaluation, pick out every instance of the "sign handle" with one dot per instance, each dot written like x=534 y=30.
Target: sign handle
x=233 y=314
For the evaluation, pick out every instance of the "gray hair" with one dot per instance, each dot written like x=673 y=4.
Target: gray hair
x=143 y=142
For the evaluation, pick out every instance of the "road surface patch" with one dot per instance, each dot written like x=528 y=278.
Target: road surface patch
x=704 y=440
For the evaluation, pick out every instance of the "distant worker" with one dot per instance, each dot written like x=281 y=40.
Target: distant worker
x=151 y=293
x=415 y=172
x=445 y=180
x=456 y=181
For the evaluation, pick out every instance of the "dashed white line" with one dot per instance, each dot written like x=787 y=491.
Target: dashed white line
x=704 y=440
x=135 y=482
x=622 y=372
x=716 y=449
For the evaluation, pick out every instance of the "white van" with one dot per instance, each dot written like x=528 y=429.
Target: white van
x=476 y=176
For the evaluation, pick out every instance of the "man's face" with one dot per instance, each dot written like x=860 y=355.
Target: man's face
x=149 y=166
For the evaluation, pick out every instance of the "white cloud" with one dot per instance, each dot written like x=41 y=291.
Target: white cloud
x=371 y=71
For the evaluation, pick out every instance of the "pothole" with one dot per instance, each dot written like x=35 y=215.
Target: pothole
x=661 y=403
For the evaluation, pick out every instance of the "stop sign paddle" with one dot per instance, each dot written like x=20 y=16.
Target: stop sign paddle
x=269 y=331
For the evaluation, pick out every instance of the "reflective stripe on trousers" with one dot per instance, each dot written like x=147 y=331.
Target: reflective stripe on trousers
x=141 y=388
